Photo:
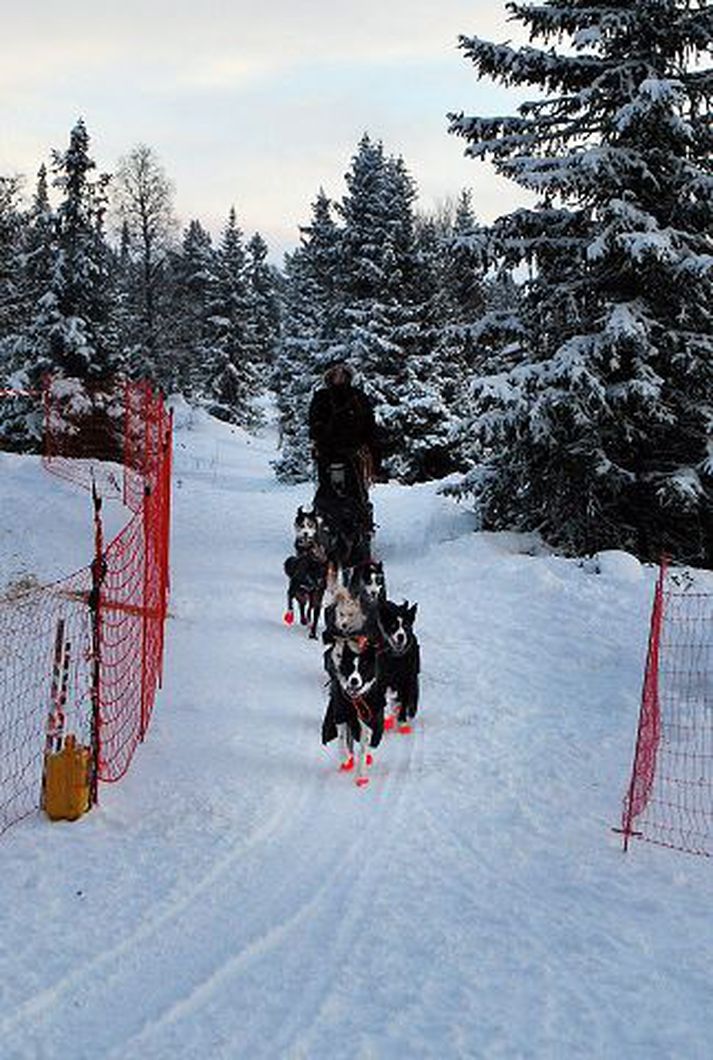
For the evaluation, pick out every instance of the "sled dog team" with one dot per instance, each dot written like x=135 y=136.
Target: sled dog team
x=372 y=657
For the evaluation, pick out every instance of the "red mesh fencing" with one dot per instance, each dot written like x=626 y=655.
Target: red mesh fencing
x=141 y=449
x=134 y=591
x=670 y=798
x=84 y=656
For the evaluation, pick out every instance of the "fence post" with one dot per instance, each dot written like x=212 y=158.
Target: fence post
x=128 y=453
x=98 y=569
x=647 y=737
x=145 y=617
x=165 y=529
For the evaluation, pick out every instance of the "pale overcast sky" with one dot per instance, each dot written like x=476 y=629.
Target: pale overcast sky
x=252 y=104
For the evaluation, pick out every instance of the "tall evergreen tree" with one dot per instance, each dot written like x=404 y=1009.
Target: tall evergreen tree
x=11 y=225
x=383 y=324
x=453 y=249
x=14 y=412
x=465 y=264
x=31 y=346
x=127 y=310
x=194 y=355
x=39 y=244
x=264 y=305
x=235 y=376
x=311 y=277
x=82 y=337
x=599 y=434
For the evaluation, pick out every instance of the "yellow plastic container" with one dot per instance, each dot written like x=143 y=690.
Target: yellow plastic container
x=67 y=781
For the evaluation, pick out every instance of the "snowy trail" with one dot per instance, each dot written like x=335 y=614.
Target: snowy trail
x=236 y=897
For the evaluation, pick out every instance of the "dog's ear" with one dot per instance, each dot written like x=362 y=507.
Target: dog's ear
x=412 y=613
x=299 y=510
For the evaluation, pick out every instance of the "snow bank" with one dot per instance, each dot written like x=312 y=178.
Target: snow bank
x=619 y=566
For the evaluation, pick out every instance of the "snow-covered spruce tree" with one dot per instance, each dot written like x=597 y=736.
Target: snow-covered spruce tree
x=382 y=325
x=465 y=263
x=29 y=350
x=14 y=412
x=599 y=435
x=453 y=248
x=69 y=327
x=476 y=312
x=311 y=276
x=81 y=330
x=11 y=228
x=235 y=380
x=39 y=246
x=264 y=305
x=127 y=308
x=189 y=367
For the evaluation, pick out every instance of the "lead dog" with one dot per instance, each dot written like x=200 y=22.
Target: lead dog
x=399 y=660
x=355 y=711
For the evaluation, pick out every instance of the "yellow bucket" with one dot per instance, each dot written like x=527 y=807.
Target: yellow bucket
x=67 y=781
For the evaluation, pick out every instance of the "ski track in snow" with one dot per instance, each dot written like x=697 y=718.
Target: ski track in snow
x=235 y=896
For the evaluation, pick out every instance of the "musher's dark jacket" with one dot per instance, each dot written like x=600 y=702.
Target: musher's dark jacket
x=341 y=420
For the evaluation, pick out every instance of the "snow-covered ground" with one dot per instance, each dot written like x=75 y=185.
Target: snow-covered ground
x=236 y=897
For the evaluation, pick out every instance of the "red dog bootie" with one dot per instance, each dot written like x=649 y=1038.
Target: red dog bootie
x=347 y=764
x=288 y=618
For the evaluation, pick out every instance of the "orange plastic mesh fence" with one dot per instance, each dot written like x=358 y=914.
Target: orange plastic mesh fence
x=80 y=661
x=134 y=591
x=670 y=799
x=122 y=620
x=142 y=453
x=45 y=684
x=132 y=611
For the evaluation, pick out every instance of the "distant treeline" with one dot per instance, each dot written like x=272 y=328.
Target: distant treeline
x=577 y=402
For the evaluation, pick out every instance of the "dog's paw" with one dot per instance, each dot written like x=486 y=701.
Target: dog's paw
x=361 y=782
x=347 y=765
x=405 y=728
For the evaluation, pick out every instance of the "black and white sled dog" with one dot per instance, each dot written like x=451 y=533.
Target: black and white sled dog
x=367 y=582
x=306 y=571
x=308 y=531
x=355 y=711
x=399 y=661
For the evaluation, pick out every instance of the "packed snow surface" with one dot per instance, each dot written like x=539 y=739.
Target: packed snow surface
x=236 y=897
